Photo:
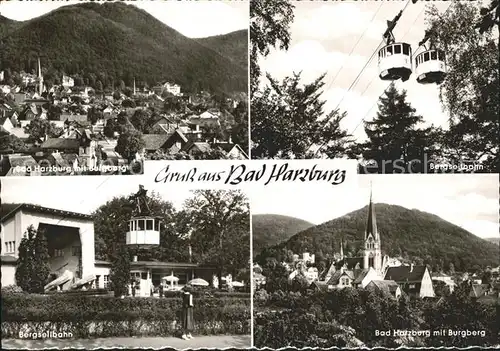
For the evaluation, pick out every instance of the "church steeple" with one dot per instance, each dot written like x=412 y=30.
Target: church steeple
x=40 y=78
x=371 y=222
x=342 y=248
x=372 y=251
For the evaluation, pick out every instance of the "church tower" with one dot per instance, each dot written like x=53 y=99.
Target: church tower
x=372 y=253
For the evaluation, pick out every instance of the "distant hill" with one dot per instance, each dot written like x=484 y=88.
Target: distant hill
x=232 y=45
x=404 y=233
x=493 y=240
x=115 y=41
x=272 y=229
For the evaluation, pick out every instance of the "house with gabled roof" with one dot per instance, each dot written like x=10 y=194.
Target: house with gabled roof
x=234 y=151
x=172 y=142
x=414 y=280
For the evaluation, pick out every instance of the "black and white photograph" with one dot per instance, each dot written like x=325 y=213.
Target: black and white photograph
x=97 y=87
x=107 y=262
x=398 y=261
x=401 y=86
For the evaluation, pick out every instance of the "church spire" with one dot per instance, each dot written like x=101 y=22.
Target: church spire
x=40 y=78
x=342 y=248
x=371 y=223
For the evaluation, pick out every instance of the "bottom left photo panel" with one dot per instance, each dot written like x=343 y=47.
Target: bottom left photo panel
x=106 y=262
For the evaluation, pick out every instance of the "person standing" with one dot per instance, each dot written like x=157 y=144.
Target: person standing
x=187 y=314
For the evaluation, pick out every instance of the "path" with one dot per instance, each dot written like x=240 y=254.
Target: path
x=212 y=341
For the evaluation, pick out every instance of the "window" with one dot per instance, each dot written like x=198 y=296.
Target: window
x=106 y=281
x=58 y=253
x=141 y=224
x=76 y=250
x=157 y=225
x=397 y=49
x=406 y=49
x=441 y=56
x=144 y=275
x=149 y=224
x=97 y=281
x=412 y=286
x=433 y=55
x=389 y=50
x=426 y=56
x=344 y=281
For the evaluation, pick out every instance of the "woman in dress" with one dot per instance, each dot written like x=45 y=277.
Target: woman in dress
x=187 y=314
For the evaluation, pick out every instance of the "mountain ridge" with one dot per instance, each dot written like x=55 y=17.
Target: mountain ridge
x=413 y=234
x=119 y=41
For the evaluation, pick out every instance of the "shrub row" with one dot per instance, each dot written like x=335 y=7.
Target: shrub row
x=81 y=292
x=105 y=316
x=208 y=294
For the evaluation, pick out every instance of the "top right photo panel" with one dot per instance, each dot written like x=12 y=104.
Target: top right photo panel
x=403 y=86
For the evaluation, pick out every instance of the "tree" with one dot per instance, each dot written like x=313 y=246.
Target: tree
x=129 y=143
x=120 y=270
x=110 y=128
x=269 y=27
x=41 y=268
x=276 y=276
x=287 y=120
x=99 y=87
x=32 y=268
x=395 y=142
x=470 y=92
x=219 y=227
x=40 y=129
x=141 y=120
x=10 y=143
x=94 y=115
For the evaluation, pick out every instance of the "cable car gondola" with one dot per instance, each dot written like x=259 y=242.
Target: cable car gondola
x=394 y=59
x=143 y=229
x=394 y=62
x=430 y=65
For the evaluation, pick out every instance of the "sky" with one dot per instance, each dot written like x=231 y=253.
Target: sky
x=323 y=35
x=194 y=19
x=469 y=201
x=83 y=194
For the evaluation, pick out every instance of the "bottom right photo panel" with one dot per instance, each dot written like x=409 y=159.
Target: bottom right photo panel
x=399 y=260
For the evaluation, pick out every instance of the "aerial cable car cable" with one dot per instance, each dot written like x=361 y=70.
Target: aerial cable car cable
x=415 y=53
x=359 y=75
x=354 y=47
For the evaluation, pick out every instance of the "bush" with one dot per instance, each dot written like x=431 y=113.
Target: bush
x=11 y=289
x=106 y=316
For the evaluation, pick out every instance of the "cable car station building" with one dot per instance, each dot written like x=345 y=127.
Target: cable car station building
x=70 y=238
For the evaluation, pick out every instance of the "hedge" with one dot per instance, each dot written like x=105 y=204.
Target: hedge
x=105 y=316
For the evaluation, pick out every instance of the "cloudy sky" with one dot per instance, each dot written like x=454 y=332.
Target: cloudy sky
x=83 y=194
x=194 y=19
x=469 y=201
x=323 y=35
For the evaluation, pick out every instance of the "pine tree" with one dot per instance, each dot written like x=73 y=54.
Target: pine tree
x=395 y=142
x=24 y=264
x=120 y=270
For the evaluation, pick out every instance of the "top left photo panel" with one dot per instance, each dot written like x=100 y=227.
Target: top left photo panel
x=91 y=88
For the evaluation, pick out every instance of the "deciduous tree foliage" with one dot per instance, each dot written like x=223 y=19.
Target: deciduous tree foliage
x=129 y=143
x=471 y=90
x=219 y=222
x=288 y=118
x=269 y=28
x=39 y=129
